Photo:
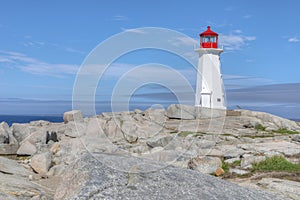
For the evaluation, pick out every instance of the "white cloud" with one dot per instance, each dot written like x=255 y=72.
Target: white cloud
x=238 y=81
x=294 y=39
x=34 y=66
x=120 y=18
x=238 y=31
x=247 y=16
x=235 y=42
x=72 y=50
x=134 y=30
x=187 y=41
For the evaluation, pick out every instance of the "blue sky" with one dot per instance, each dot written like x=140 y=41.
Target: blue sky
x=44 y=43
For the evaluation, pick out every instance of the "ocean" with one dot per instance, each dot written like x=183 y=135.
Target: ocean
x=10 y=119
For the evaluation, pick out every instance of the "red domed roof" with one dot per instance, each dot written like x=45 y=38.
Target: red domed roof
x=209 y=32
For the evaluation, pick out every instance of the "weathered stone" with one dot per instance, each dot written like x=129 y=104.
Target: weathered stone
x=113 y=131
x=74 y=129
x=20 y=131
x=233 y=153
x=15 y=187
x=296 y=138
x=39 y=123
x=282 y=147
x=4 y=133
x=8 y=149
x=268 y=119
x=57 y=170
x=41 y=162
x=206 y=165
x=201 y=112
x=289 y=189
x=231 y=160
x=55 y=147
x=161 y=141
x=38 y=136
x=9 y=145
x=177 y=111
x=126 y=178
x=215 y=153
x=238 y=171
x=249 y=160
x=27 y=148
x=166 y=156
x=128 y=129
x=74 y=115
x=8 y=166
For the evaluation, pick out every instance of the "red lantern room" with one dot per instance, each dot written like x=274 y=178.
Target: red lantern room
x=208 y=39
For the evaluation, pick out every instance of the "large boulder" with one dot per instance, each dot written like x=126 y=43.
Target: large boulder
x=268 y=120
x=74 y=115
x=285 y=188
x=206 y=164
x=41 y=162
x=27 y=148
x=160 y=141
x=4 y=133
x=12 y=167
x=247 y=162
x=103 y=176
x=14 y=187
x=21 y=131
x=177 y=111
x=8 y=143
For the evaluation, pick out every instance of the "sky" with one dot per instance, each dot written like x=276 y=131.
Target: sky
x=44 y=44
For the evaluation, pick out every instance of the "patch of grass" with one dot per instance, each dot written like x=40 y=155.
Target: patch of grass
x=276 y=163
x=186 y=133
x=285 y=131
x=236 y=163
x=225 y=167
x=259 y=127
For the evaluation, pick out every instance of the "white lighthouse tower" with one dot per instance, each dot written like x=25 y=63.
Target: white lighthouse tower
x=209 y=88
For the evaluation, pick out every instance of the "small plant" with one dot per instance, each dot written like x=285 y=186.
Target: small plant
x=225 y=167
x=276 y=163
x=236 y=163
x=259 y=127
x=285 y=131
x=186 y=133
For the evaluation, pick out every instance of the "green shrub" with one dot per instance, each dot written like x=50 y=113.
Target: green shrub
x=285 y=131
x=259 y=127
x=225 y=167
x=236 y=163
x=276 y=163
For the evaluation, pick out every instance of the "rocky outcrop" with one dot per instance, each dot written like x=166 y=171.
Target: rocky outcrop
x=102 y=176
x=199 y=139
x=74 y=115
x=41 y=162
x=8 y=143
x=26 y=148
x=206 y=165
x=185 y=112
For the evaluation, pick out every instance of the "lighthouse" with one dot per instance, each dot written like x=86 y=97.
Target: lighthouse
x=209 y=85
